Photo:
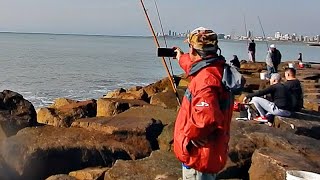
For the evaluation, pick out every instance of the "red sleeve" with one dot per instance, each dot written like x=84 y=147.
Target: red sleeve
x=206 y=115
x=185 y=63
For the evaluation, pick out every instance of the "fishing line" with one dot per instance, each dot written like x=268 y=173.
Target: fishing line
x=173 y=85
x=164 y=37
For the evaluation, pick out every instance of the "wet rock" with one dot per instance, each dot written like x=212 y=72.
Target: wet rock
x=160 y=165
x=107 y=107
x=15 y=113
x=140 y=126
x=96 y=173
x=167 y=99
x=64 y=115
x=272 y=164
x=36 y=153
x=61 y=177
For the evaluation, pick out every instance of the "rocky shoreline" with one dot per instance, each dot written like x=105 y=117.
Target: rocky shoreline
x=127 y=134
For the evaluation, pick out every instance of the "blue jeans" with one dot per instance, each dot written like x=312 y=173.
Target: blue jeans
x=266 y=107
x=192 y=174
x=270 y=70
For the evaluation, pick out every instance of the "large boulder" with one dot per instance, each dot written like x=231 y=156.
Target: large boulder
x=107 y=107
x=136 y=92
x=302 y=124
x=37 y=153
x=157 y=87
x=167 y=99
x=272 y=164
x=162 y=114
x=160 y=165
x=140 y=126
x=15 y=113
x=62 y=115
x=166 y=138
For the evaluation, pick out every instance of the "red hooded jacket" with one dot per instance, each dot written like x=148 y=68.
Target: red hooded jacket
x=205 y=113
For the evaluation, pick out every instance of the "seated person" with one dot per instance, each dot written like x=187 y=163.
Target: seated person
x=280 y=100
x=293 y=86
x=235 y=61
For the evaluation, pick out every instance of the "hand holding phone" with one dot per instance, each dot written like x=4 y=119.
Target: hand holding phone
x=167 y=52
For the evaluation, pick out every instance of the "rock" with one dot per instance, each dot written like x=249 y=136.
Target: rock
x=107 y=107
x=62 y=102
x=36 y=153
x=15 y=113
x=157 y=87
x=61 y=177
x=160 y=165
x=258 y=66
x=167 y=99
x=135 y=88
x=162 y=114
x=64 y=115
x=115 y=93
x=5 y=173
x=272 y=164
x=303 y=124
x=133 y=93
x=140 y=126
x=89 y=173
x=240 y=152
x=166 y=138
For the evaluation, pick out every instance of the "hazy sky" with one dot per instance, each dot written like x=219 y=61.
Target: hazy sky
x=125 y=17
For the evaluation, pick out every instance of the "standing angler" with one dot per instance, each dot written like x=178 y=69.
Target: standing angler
x=201 y=133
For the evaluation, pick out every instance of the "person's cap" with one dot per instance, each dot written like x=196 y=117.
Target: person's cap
x=203 y=39
x=272 y=46
x=275 y=76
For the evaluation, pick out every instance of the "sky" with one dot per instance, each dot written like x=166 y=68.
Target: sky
x=125 y=17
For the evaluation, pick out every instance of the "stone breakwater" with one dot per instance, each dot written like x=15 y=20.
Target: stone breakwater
x=127 y=134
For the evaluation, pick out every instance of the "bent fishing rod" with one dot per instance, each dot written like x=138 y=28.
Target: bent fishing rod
x=264 y=35
x=158 y=46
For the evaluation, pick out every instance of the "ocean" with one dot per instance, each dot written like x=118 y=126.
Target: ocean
x=43 y=67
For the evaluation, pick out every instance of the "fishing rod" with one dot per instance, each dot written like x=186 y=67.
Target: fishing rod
x=158 y=46
x=264 y=35
x=164 y=37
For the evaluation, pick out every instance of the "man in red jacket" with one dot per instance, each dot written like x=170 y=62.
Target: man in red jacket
x=201 y=133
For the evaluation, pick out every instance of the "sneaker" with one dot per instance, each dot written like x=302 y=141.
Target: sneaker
x=261 y=119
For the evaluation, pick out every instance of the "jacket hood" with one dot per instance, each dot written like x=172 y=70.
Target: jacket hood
x=196 y=67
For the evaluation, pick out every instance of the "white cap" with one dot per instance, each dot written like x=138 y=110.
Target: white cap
x=272 y=46
x=199 y=29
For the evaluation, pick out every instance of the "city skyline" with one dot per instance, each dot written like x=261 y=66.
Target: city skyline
x=111 y=17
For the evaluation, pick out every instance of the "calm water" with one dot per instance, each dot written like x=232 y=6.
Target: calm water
x=44 y=67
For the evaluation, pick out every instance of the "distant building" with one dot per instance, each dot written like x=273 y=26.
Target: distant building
x=221 y=36
x=318 y=38
x=278 y=35
x=169 y=32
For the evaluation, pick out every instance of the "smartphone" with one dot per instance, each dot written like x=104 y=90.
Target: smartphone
x=166 y=52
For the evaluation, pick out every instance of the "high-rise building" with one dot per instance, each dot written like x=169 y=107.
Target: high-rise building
x=249 y=34
x=278 y=35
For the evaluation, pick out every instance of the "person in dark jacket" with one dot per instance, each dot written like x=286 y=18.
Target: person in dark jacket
x=280 y=105
x=293 y=86
x=252 y=51
x=273 y=60
x=235 y=61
